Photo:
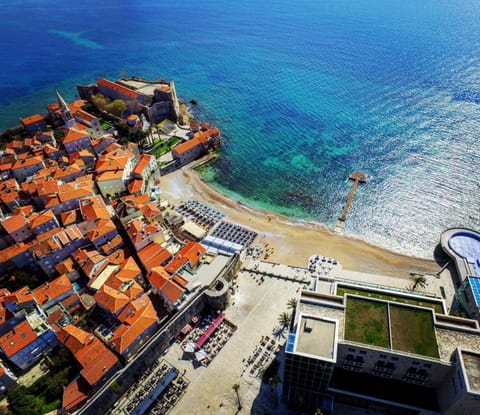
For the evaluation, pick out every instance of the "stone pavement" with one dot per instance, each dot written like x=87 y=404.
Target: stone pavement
x=255 y=309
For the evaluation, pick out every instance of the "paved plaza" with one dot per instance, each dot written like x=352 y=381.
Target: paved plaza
x=254 y=308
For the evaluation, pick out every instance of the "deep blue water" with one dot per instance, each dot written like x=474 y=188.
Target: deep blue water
x=304 y=92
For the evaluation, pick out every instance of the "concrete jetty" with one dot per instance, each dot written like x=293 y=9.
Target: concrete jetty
x=357 y=177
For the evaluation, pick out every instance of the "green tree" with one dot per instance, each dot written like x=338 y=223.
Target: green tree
x=236 y=387
x=292 y=304
x=418 y=281
x=318 y=411
x=22 y=403
x=116 y=107
x=100 y=102
x=284 y=319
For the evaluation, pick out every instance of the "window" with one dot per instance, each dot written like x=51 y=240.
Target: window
x=363 y=352
x=415 y=363
x=394 y=358
x=427 y=365
x=383 y=356
x=351 y=349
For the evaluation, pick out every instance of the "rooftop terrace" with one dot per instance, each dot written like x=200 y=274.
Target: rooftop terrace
x=316 y=336
x=390 y=325
x=382 y=295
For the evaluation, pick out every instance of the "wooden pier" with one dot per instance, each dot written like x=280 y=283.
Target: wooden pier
x=357 y=177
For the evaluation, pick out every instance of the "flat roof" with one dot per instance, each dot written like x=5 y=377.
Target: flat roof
x=471 y=361
x=97 y=283
x=208 y=272
x=316 y=336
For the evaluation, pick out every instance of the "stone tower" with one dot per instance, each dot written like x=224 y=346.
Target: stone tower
x=66 y=114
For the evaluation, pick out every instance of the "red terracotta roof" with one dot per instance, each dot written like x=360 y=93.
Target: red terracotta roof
x=17 y=339
x=128 y=269
x=116 y=257
x=110 y=175
x=76 y=105
x=150 y=210
x=135 y=186
x=158 y=277
x=27 y=162
x=14 y=223
x=187 y=145
x=70 y=170
x=118 y=88
x=85 y=116
x=111 y=164
x=111 y=299
x=124 y=285
x=52 y=290
x=32 y=119
x=94 y=208
x=42 y=218
x=23 y=210
x=74 y=134
x=75 y=393
x=102 y=228
x=145 y=160
x=89 y=351
x=153 y=255
x=22 y=295
x=172 y=291
x=137 y=317
x=203 y=135
x=65 y=267
x=46 y=187
x=191 y=252
x=70 y=216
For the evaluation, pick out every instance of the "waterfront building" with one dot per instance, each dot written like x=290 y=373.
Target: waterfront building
x=114 y=91
x=33 y=124
x=196 y=147
x=463 y=246
x=383 y=350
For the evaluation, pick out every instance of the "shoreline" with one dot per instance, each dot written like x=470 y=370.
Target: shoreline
x=293 y=241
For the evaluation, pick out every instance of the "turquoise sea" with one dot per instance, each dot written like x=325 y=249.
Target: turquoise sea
x=303 y=91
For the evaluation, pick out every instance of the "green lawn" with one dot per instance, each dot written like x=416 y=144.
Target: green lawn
x=390 y=297
x=366 y=322
x=413 y=331
x=167 y=146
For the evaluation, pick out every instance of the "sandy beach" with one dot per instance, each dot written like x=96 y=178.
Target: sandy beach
x=294 y=242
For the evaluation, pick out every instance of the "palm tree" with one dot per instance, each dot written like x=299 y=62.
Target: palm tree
x=292 y=305
x=236 y=387
x=318 y=411
x=273 y=381
x=284 y=319
x=418 y=281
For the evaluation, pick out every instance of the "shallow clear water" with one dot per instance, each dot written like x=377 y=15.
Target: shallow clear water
x=304 y=93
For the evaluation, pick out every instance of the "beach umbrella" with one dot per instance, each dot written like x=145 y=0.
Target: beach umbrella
x=189 y=347
x=200 y=355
